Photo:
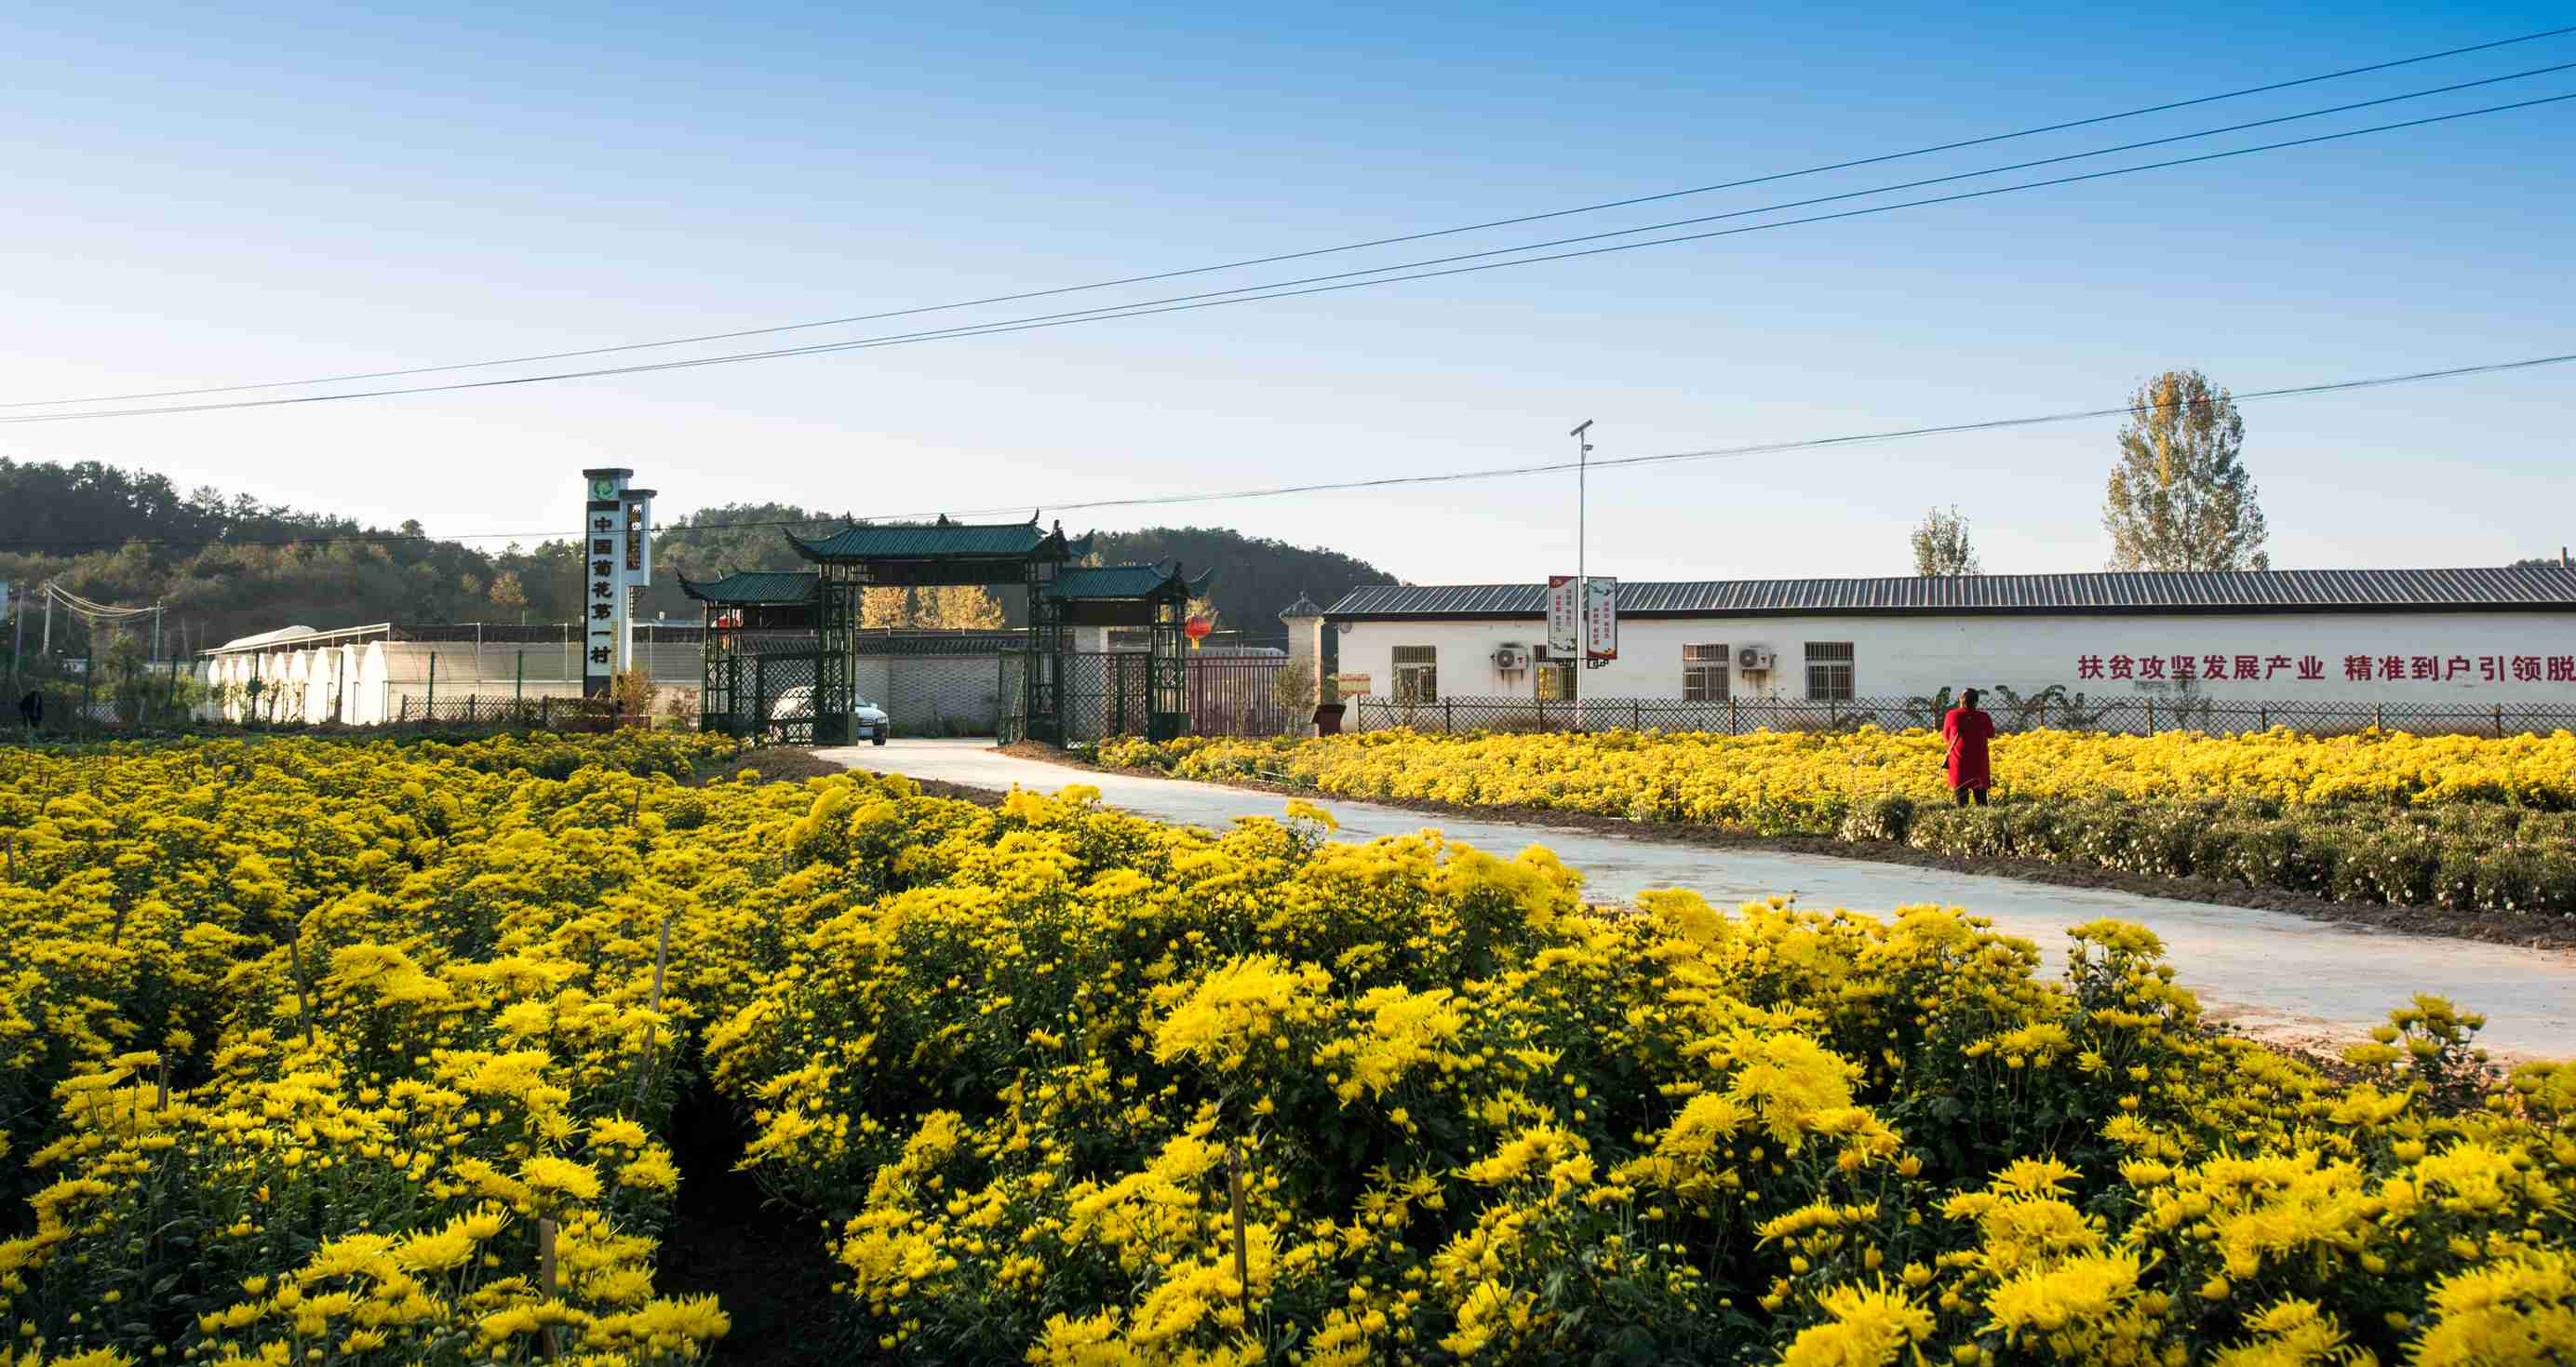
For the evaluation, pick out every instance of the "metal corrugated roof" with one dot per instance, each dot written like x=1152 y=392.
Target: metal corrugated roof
x=2548 y=587
x=754 y=587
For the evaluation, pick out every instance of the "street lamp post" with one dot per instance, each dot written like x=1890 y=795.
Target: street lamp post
x=1582 y=579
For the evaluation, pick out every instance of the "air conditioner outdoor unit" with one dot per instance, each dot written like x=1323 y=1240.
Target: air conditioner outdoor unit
x=1508 y=658
x=1753 y=659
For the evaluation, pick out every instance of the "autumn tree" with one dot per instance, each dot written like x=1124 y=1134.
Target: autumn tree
x=509 y=595
x=2179 y=496
x=1941 y=546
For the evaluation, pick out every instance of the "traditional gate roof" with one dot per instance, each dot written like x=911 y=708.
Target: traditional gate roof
x=1129 y=581
x=941 y=540
x=754 y=588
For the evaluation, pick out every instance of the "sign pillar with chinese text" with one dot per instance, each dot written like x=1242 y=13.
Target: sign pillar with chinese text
x=617 y=538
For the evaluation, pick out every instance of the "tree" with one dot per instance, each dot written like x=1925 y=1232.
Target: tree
x=966 y=607
x=2179 y=496
x=1941 y=546
x=509 y=595
x=2540 y=562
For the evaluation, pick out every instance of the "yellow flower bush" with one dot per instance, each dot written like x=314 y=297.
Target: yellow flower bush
x=326 y=1052
x=2458 y=822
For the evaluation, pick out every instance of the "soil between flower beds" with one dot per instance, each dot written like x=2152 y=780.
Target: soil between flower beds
x=2533 y=932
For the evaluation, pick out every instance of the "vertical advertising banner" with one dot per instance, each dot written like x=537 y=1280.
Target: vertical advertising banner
x=1564 y=618
x=1601 y=619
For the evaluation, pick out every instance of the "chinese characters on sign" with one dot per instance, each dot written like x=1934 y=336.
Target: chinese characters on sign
x=2188 y=666
x=1564 y=617
x=1601 y=618
x=617 y=530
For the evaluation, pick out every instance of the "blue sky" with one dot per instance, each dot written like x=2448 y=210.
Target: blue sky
x=203 y=198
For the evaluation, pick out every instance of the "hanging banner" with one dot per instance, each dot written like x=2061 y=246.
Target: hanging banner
x=1564 y=617
x=1601 y=619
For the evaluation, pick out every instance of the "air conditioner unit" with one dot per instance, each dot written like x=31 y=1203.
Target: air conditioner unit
x=1511 y=657
x=1753 y=659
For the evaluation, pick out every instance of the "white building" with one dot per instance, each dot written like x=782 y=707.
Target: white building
x=2473 y=641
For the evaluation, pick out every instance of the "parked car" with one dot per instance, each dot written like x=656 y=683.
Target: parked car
x=797 y=704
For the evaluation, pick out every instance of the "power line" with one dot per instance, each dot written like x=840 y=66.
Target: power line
x=1313 y=252
x=1278 y=289
x=1462 y=476
x=1759 y=448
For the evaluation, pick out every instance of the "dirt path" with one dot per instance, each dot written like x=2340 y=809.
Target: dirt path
x=2284 y=977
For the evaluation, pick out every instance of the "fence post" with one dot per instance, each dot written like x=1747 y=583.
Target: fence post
x=1449 y=718
x=429 y=709
x=760 y=695
x=2151 y=716
x=1730 y=713
x=2499 y=714
x=545 y=711
x=2263 y=717
x=1636 y=715
x=519 y=679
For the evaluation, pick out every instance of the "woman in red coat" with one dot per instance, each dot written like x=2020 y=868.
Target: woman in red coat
x=1967 y=730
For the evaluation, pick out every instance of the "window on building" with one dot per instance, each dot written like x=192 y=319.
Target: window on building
x=1705 y=671
x=1417 y=674
x=1829 y=671
x=1555 y=678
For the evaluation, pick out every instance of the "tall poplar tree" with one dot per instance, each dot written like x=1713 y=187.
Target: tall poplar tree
x=1941 y=546
x=2179 y=496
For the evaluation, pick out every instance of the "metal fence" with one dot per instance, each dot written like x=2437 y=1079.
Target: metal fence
x=512 y=712
x=1239 y=696
x=1107 y=694
x=763 y=695
x=2117 y=716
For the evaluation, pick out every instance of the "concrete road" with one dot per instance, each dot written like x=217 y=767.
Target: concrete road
x=2284 y=977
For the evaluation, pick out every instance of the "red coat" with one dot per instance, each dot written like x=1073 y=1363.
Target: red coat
x=1968 y=733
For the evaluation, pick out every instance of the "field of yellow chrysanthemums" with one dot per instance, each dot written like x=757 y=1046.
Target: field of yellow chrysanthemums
x=2459 y=822
x=316 y=1051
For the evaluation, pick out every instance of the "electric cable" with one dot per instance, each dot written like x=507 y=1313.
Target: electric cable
x=1185 y=303
x=1312 y=252
x=1445 y=477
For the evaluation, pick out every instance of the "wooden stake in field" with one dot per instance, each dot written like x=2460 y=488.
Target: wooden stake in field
x=546 y=1276
x=1242 y=1265
x=661 y=957
x=295 y=962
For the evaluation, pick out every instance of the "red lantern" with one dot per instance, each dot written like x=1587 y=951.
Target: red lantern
x=1196 y=629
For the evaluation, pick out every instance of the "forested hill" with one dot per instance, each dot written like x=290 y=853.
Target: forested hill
x=229 y=565
x=1255 y=576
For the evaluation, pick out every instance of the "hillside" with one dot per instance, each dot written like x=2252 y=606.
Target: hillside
x=229 y=565
x=1256 y=576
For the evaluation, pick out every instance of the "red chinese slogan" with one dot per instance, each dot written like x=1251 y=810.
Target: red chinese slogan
x=2356 y=668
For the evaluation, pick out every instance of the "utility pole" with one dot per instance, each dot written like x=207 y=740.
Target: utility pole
x=49 y=619
x=1582 y=579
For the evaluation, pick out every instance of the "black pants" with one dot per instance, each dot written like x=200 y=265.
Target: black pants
x=1963 y=792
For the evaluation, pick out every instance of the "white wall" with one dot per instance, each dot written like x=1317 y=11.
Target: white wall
x=1907 y=656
